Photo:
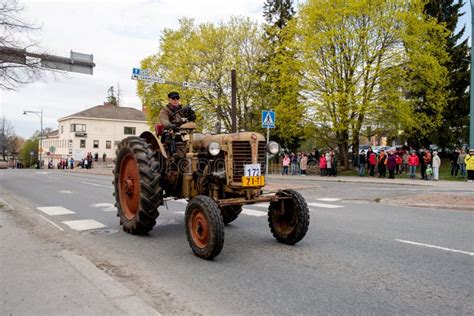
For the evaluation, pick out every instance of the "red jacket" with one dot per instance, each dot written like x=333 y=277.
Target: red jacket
x=322 y=162
x=372 y=159
x=413 y=160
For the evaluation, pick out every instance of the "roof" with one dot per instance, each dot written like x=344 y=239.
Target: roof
x=110 y=111
x=53 y=133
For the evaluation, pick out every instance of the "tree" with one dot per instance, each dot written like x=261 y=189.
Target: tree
x=15 y=68
x=7 y=134
x=455 y=124
x=30 y=146
x=111 y=99
x=362 y=58
x=280 y=71
x=206 y=53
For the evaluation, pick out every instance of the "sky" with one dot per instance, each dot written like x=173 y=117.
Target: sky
x=119 y=34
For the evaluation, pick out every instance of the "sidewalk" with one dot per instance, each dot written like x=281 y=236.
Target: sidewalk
x=39 y=277
x=373 y=180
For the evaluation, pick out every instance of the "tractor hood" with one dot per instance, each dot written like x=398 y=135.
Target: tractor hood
x=203 y=140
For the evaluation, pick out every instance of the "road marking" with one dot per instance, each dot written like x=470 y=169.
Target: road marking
x=55 y=210
x=325 y=205
x=51 y=222
x=433 y=246
x=56 y=178
x=328 y=199
x=262 y=205
x=180 y=212
x=97 y=185
x=179 y=201
x=106 y=207
x=65 y=192
x=84 y=224
x=250 y=212
x=41 y=172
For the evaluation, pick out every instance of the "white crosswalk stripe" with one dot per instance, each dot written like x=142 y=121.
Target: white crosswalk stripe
x=324 y=205
x=106 y=207
x=85 y=224
x=55 y=210
x=251 y=212
x=328 y=199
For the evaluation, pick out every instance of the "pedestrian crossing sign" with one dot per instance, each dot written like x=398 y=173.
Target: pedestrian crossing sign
x=268 y=119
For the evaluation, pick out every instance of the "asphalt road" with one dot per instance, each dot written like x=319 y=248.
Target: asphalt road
x=359 y=256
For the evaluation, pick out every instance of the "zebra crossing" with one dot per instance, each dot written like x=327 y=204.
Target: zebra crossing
x=254 y=210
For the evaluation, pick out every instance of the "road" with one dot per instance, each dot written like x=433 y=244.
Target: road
x=359 y=256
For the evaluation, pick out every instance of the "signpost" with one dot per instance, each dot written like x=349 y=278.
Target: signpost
x=268 y=121
x=144 y=75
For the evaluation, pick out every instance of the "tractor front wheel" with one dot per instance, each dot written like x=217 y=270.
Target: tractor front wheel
x=204 y=227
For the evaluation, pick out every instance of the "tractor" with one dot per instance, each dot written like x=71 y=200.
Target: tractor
x=217 y=174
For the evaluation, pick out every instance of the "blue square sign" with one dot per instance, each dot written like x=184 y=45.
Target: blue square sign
x=268 y=119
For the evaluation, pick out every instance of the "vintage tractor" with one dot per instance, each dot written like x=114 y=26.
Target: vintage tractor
x=217 y=174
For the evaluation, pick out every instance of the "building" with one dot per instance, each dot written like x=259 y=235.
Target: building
x=96 y=130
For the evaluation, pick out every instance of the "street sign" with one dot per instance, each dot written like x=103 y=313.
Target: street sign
x=268 y=119
x=144 y=75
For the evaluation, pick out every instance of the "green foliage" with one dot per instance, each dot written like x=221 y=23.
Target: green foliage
x=207 y=53
x=31 y=145
x=454 y=128
x=362 y=58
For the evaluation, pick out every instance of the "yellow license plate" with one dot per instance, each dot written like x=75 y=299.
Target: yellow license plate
x=257 y=181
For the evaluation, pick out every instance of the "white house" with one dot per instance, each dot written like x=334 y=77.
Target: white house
x=95 y=130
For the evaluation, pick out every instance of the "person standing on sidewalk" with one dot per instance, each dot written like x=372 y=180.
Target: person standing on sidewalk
x=303 y=163
x=427 y=160
x=372 y=162
x=382 y=164
x=469 y=160
x=413 y=161
x=322 y=164
x=461 y=163
x=436 y=165
x=362 y=162
x=391 y=165
x=286 y=165
x=328 y=164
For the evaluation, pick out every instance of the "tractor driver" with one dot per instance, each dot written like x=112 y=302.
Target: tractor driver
x=173 y=115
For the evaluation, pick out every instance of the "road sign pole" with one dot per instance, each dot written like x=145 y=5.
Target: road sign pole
x=266 y=151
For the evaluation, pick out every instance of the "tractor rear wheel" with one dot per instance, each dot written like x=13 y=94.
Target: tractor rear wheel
x=137 y=187
x=288 y=217
x=204 y=227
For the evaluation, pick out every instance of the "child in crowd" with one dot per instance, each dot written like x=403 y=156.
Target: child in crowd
x=429 y=173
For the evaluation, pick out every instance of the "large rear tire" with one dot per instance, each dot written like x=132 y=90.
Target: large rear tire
x=137 y=187
x=230 y=213
x=204 y=227
x=288 y=218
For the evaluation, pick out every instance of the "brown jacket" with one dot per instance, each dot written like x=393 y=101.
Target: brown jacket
x=168 y=116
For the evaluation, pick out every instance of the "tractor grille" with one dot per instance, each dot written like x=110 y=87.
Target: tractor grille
x=242 y=152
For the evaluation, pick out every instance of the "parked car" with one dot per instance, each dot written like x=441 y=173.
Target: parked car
x=399 y=150
x=378 y=149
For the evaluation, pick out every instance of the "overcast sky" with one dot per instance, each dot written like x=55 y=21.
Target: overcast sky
x=119 y=33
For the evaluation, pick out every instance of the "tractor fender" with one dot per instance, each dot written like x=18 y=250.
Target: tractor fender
x=154 y=142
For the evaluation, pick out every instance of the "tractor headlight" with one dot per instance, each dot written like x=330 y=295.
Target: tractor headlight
x=273 y=148
x=214 y=148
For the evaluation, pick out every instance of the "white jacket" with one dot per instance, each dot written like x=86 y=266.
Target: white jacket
x=436 y=161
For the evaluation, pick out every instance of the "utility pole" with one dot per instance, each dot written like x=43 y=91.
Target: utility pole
x=233 y=113
x=471 y=97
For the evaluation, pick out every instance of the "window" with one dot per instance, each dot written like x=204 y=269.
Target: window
x=129 y=130
x=78 y=127
x=108 y=144
x=83 y=143
x=96 y=144
x=62 y=129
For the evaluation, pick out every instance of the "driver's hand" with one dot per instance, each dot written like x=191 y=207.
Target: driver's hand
x=173 y=127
